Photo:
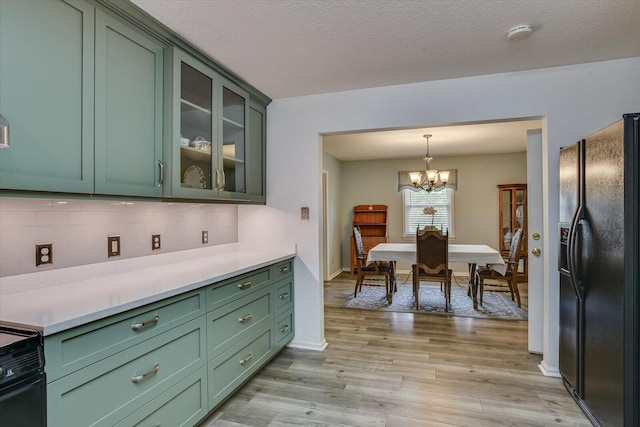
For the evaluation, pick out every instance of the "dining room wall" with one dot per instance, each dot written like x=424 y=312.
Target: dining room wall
x=475 y=200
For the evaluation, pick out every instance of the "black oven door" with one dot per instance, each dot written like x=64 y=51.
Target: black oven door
x=24 y=404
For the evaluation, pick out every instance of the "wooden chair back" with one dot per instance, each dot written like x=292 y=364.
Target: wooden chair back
x=432 y=252
x=515 y=252
x=357 y=237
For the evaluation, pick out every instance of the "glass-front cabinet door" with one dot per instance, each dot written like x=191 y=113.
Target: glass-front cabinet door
x=513 y=216
x=233 y=178
x=194 y=141
x=210 y=133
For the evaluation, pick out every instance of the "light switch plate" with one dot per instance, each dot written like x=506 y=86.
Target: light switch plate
x=155 y=242
x=304 y=214
x=205 y=237
x=44 y=253
x=113 y=248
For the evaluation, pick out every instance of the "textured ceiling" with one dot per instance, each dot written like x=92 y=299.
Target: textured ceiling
x=288 y=48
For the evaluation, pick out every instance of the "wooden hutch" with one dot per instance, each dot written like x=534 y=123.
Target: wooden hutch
x=372 y=221
x=512 y=210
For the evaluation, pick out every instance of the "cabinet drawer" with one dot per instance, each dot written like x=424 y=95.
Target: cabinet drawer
x=282 y=269
x=229 y=324
x=283 y=296
x=233 y=367
x=106 y=392
x=225 y=292
x=182 y=405
x=76 y=348
x=283 y=332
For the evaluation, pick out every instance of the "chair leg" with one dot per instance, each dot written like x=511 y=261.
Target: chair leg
x=515 y=290
x=447 y=293
x=416 y=287
x=480 y=282
x=359 y=280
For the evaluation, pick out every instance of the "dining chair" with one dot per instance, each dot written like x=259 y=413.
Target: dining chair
x=378 y=268
x=509 y=281
x=432 y=262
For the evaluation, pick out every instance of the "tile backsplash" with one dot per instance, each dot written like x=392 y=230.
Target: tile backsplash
x=78 y=229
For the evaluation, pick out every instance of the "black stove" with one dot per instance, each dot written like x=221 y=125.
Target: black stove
x=22 y=378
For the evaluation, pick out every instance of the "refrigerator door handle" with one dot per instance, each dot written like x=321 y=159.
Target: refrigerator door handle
x=573 y=249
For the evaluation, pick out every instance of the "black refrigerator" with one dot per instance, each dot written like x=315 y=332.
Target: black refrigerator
x=599 y=355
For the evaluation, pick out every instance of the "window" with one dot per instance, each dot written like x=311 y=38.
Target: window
x=414 y=203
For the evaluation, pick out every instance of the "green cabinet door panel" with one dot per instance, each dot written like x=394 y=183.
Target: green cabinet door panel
x=256 y=149
x=46 y=94
x=108 y=391
x=183 y=405
x=229 y=370
x=232 y=322
x=128 y=112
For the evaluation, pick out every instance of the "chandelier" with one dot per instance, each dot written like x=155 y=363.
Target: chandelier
x=431 y=179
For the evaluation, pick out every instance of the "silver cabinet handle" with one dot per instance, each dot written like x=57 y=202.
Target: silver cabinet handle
x=284 y=296
x=224 y=180
x=161 y=173
x=283 y=269
x=245 y=285
x=284 y=329
x=246 y=359
x=138 y=326
x=245 y=318
x=217 y=180
x=139 y=378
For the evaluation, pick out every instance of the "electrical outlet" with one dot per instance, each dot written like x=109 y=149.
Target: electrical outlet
x=205 y=237
x=155 y=242
x=113 y=247
x=44 y=254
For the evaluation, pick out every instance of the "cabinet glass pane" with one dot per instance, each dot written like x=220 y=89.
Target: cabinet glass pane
x=233 y=139
x=196 y=128
x=507 y=232
x=520 y=208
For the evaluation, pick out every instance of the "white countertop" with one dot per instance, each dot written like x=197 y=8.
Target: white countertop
x=55 y=300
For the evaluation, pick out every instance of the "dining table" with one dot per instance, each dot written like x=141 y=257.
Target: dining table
x=470 y=254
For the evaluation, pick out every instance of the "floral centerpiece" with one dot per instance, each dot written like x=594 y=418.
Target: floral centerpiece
x=430 y=210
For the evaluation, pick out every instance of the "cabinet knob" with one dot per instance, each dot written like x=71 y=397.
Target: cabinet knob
x=536 y=251
x=535 y=236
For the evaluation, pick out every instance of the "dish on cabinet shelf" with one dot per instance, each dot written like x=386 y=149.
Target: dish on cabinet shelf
x=194 y=177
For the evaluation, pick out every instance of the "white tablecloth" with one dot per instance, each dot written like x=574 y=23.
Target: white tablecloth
x=470 y=254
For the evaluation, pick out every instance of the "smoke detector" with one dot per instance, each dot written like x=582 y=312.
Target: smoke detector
x=520 y=32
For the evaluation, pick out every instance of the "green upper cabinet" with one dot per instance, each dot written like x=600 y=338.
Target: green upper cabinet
x=47 y=94
x=83 y=96
x=216 y=154
x=128 y=111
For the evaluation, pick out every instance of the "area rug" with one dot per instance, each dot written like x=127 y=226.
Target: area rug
x=496 y=305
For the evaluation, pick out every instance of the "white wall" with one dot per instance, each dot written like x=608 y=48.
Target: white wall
x=475 y=200
x=576 y=101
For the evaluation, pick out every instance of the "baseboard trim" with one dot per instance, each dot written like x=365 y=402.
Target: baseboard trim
x=334 y=275
x=307 y=345
x=547 y=371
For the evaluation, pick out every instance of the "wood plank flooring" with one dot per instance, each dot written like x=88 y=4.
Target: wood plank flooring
x=403 y=370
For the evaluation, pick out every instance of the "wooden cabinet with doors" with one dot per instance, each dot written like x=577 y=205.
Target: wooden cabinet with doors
x=512 y=210
x=372 y=221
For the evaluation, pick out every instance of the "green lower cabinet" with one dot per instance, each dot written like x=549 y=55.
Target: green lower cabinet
x=229 y=324
x=183 y=405
x=284 y=330
x=229 y=370
x=106 y=392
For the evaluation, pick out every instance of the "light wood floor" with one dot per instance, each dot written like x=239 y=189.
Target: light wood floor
x=401 y=369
